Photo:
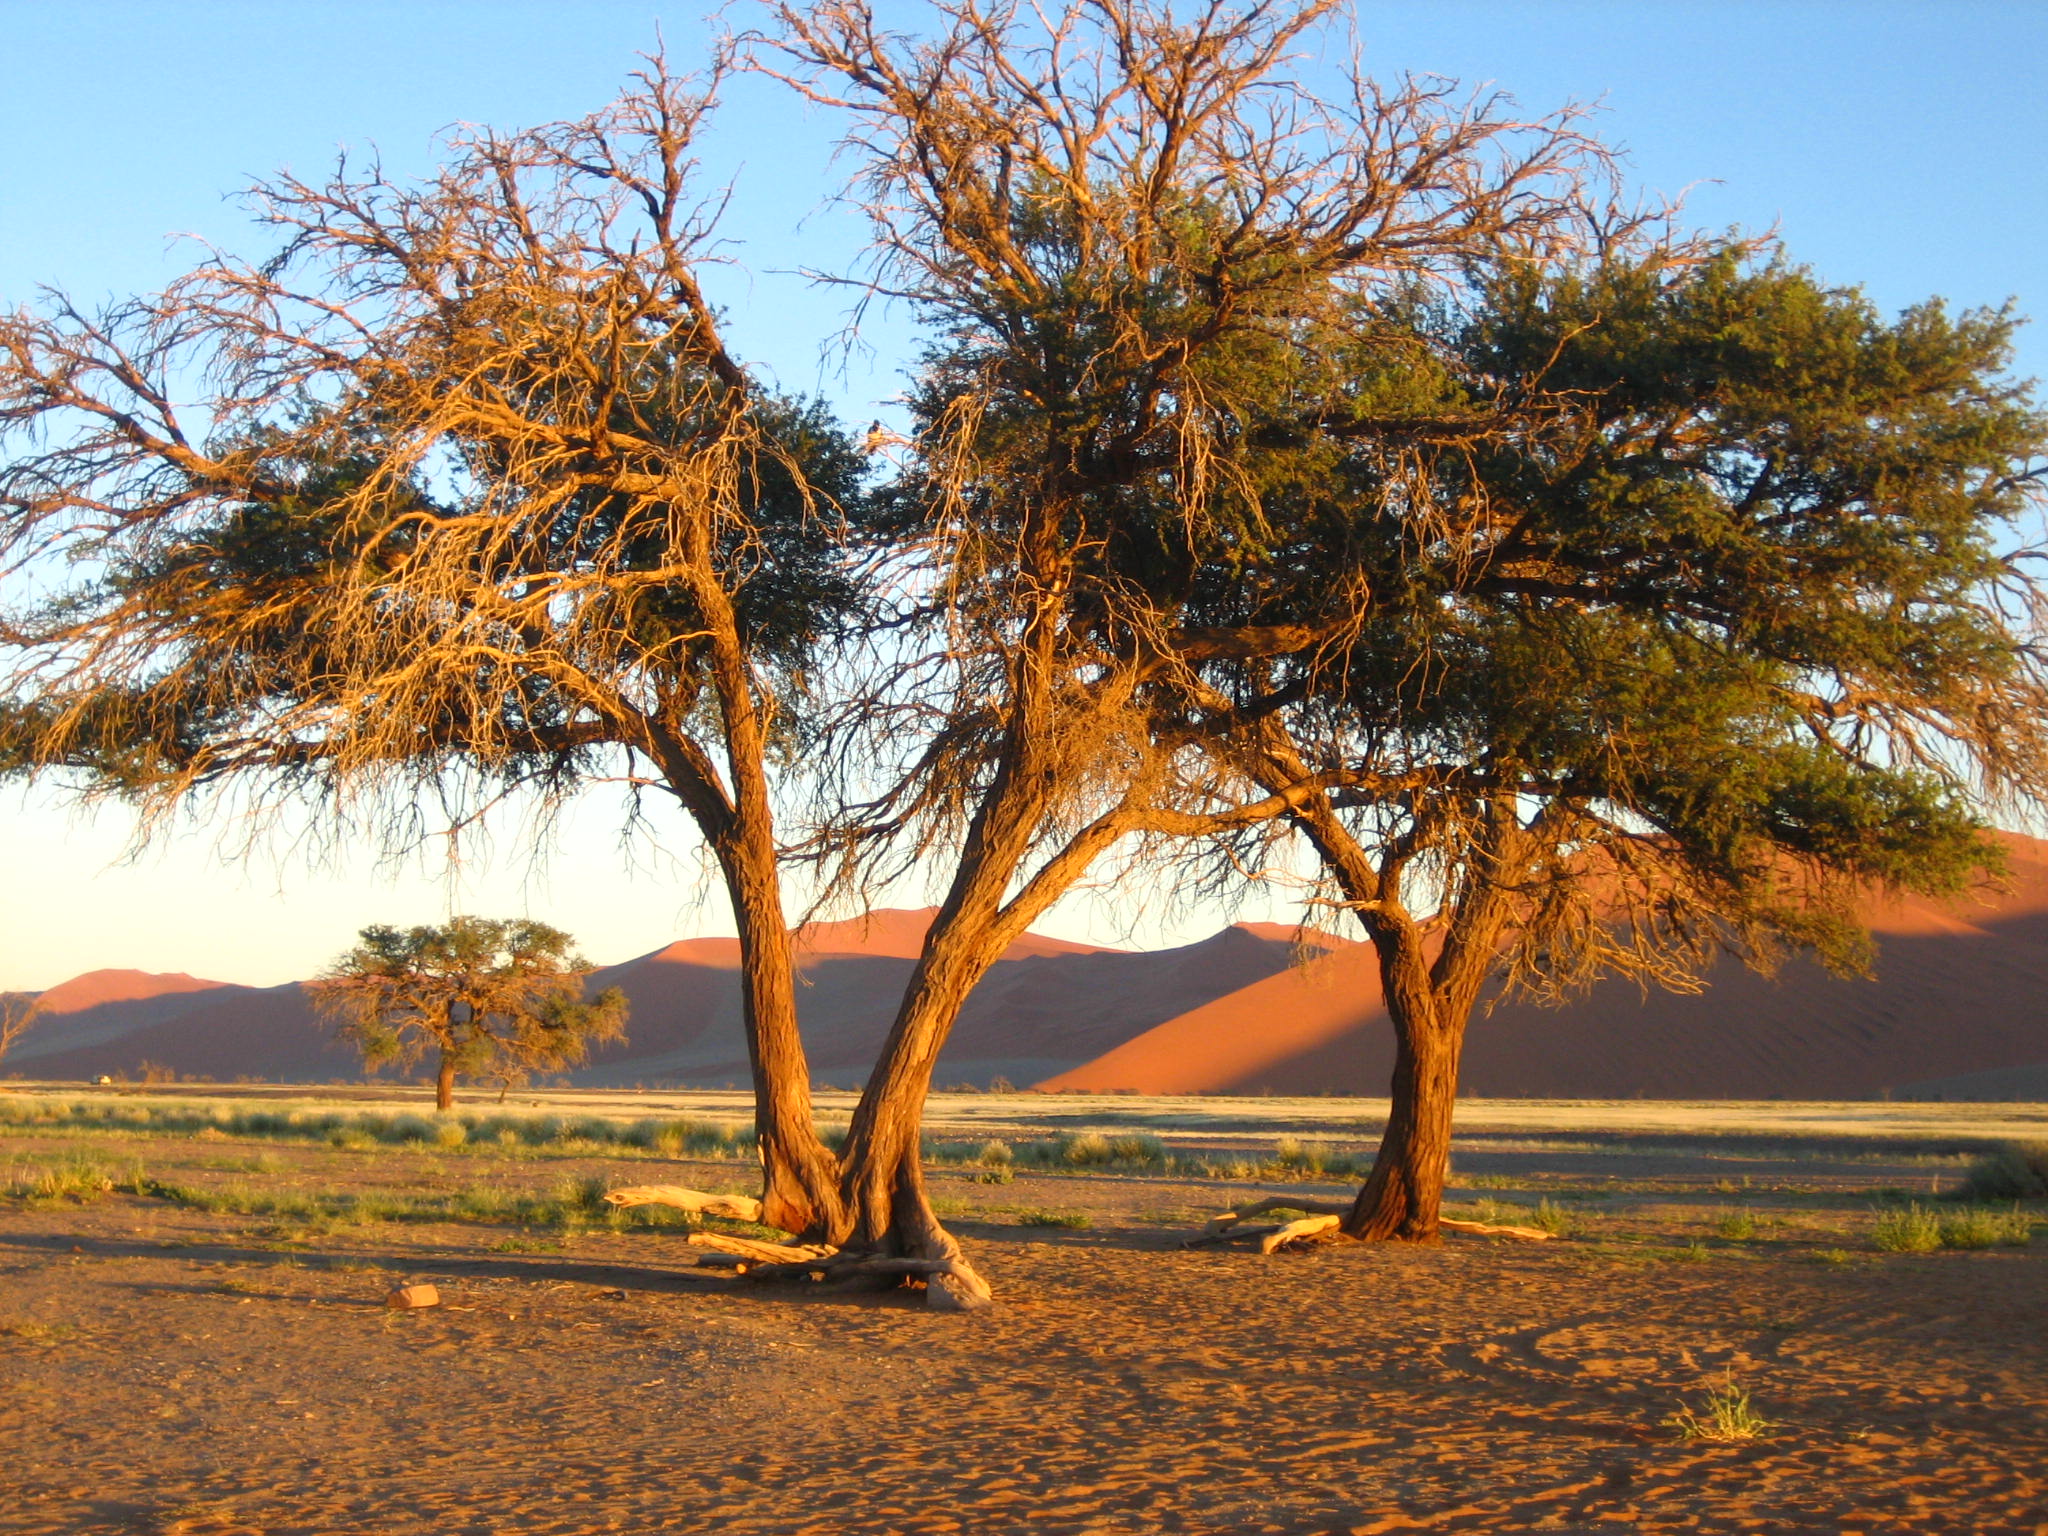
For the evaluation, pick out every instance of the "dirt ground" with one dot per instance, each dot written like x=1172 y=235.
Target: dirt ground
x=169 y=1369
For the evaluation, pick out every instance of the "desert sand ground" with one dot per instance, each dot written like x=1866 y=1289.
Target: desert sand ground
x=220 y=1361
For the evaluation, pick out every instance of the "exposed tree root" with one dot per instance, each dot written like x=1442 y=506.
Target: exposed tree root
x=758 y=1252
x=1319 y=1224
x=733 y=1207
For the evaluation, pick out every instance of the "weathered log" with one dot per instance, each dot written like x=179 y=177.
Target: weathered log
x=1495 y=1229
x=734 y=1207
x=1276 y=1203
x=1308 y=1226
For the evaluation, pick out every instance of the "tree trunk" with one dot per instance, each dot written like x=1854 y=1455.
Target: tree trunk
x=1403 y=1195
x=800 y=1190
x=884 y=1209
x=444 y=1082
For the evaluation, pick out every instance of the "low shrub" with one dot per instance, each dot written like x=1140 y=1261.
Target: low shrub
x=1906 y=1229
x=2016 y=1171
x=1977 y=1227
x=1736 y=1225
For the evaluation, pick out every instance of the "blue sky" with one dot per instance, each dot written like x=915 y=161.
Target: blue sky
x=1895 y=146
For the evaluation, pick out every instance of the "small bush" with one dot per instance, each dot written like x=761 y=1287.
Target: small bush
x=1981 y=1228
x=1737 y=1225
x=1003 y=1175
x=1086 y=1150
x=1554 y=1219
x=1907 y=1229
x=2016 y=1171
x=1832 y=1256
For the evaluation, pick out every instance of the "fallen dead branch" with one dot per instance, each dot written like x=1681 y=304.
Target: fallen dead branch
x=1495 y=1229
x=733 y=1207
x=1320 y=1219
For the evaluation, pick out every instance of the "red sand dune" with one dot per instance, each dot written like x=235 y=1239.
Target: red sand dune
x=96 y=988
x=1959 y=1006
x=1958 y=989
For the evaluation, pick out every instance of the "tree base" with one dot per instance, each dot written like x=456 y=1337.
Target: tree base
x=950 y=1283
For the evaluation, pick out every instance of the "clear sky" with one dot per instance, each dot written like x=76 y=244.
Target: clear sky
x=1896 y=146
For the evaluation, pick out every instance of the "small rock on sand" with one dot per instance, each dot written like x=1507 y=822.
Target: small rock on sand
x=408 y=1298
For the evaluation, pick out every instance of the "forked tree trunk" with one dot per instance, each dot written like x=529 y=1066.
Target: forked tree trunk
x=884 y=1210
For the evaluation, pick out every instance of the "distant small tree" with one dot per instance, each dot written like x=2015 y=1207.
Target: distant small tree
x=502 y=999
x=17 y=1013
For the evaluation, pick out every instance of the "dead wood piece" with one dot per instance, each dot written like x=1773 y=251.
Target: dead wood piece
x=737 y=1262
x=1294 y=1231
x=759 y=1252
x=1219 y=1227
x=1231 y=1235
x=1492 y=1229
x=735 y=1207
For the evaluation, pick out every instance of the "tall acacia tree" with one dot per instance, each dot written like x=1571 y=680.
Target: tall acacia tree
x=1702 y=612
x=476 y=504
x=1117 y=223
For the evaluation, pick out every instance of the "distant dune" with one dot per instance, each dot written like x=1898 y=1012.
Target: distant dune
x=1958 y=1008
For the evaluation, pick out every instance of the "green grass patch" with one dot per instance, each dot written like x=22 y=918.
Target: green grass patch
x=371 y=1130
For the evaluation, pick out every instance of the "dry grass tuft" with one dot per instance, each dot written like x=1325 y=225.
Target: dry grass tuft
x=1725 y=1413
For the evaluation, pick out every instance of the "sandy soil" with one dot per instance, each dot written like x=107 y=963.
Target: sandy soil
x=167 y=1370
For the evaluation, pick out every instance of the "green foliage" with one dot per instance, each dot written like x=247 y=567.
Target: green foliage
x=1690 y=617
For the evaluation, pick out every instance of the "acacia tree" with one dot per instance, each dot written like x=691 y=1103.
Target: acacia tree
x=1118 y=227
x=477 y=505
x=1704 y=614
x=483 y=997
